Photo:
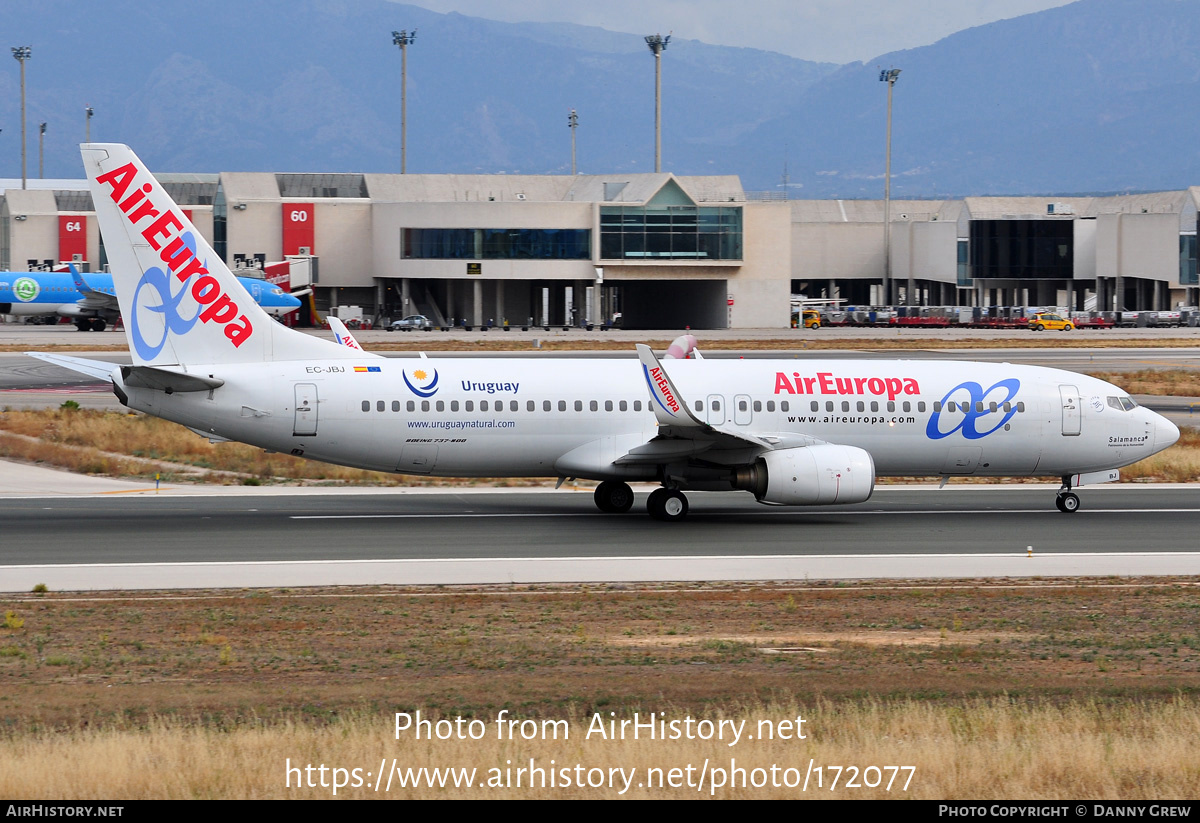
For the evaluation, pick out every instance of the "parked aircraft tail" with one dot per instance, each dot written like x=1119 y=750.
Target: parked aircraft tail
x=180 y=301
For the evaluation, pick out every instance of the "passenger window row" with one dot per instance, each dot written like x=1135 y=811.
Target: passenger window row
x=905 y=405
x=636 y=405
x=500 y=405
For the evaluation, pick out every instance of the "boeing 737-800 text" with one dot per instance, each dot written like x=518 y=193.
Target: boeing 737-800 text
x=794 y=432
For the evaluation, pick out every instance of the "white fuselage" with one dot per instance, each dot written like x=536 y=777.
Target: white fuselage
x=546 y=418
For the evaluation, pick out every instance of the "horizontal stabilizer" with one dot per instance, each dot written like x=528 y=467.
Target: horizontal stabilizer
x=149 y=377
x=92 y=368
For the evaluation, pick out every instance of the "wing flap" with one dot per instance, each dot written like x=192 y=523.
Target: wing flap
x=663 y=450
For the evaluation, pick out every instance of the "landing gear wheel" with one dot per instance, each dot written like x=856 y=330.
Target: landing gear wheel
x=667 y=505
x=1067 y=503
x=614 y=497
x=98 y=324
x=83 y=325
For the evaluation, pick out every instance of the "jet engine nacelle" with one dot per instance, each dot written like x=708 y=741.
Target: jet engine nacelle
x=810 y=476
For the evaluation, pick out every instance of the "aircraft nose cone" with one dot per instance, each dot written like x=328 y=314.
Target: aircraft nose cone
x=1166 y=433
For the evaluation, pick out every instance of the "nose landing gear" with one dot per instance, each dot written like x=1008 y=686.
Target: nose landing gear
x=1067 y=501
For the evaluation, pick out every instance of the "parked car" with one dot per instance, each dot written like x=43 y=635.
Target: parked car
x=811 y=319
x=1041 y=322
x=414 y=321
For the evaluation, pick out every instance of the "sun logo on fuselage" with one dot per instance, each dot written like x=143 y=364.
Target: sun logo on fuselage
x=421 y=384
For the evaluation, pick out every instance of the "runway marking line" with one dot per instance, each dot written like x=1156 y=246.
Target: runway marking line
x=610 y=559
x=792 y=512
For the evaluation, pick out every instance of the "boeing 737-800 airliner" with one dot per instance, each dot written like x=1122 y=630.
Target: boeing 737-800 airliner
x=794 y=432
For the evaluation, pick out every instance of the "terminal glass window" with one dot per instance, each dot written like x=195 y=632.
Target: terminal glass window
x=1022 y=249
x=1187 y=260
x=671 y=232
x=496 y=244
x=220 y=226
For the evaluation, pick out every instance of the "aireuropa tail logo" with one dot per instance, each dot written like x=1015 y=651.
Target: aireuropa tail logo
x=421 y=383
x=974 y=403
x=26 y=289
x=166 y=309
x=177 y=249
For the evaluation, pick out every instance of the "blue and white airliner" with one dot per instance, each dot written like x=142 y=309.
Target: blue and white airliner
x=90 y=300
x=790 y=432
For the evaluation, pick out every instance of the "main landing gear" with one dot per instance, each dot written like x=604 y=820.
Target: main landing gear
x=1067 y=501
x=91 y=324
x=614 y=497
x=667 y=505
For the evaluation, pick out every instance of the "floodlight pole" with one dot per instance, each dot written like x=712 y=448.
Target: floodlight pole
x=889 y=76
x=403 y=39
x=657 y=43
x=573 y=123
x=21 y=54
x=88 y=124
x=41 y=151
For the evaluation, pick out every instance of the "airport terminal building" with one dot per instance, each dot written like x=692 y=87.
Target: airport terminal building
x=659 y=250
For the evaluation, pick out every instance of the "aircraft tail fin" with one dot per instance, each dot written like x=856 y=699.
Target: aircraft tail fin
x=180 y=301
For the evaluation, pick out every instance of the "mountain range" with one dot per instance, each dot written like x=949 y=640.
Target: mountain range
x=1088 y=97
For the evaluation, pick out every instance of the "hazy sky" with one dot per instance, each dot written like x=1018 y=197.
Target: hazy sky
x=836 y=31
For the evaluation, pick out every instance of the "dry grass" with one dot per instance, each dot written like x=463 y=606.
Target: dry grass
x=989 y=691
x=1178 y=464
x=974 y=751
x=1159 y=382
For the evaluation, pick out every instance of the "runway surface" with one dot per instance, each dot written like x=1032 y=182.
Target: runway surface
x=513 y=537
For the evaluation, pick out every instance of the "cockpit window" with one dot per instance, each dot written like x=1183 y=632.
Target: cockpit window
x=1122 y=403
x=1115 y=403
x=1128 y=403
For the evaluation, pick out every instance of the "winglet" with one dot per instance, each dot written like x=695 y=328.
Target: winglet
x=342 y=334
x=80 y=283
x=669 y=408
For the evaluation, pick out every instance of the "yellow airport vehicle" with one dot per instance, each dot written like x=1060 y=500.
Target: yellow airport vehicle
x=1052 y=322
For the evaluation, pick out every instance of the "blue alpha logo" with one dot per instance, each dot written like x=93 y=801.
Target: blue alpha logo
x=973 y=404
x=159 y=282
